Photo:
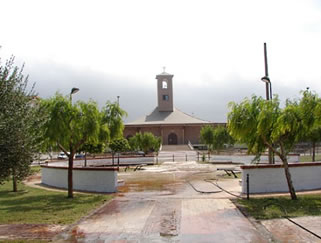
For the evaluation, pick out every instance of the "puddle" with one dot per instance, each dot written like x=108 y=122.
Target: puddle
x=165 y=179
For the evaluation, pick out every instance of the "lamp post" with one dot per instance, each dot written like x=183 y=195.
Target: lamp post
x=118 y=99
x=73 y=91
x=266 y=80
x=268 y=90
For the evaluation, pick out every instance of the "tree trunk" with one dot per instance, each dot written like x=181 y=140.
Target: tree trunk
x=313 y=151
x=85 y=159
x=70 y=166
x=14 y=181
x=270 y=156
x=282 y=155
x=112 y=155
x=288 y=178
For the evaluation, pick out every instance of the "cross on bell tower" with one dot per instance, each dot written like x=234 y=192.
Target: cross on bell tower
x=165 y=91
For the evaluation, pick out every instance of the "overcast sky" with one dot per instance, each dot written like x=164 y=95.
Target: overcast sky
x=213 y=48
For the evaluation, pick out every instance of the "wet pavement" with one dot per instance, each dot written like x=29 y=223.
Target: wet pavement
x=30 y=231
x=286 y=231
x=172 y=202
x=167 y=220
x=169 y=203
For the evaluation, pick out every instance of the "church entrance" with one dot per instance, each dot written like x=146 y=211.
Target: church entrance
x=172 y=139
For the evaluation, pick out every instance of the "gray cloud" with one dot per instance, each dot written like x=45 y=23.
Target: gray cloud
x=207 y=100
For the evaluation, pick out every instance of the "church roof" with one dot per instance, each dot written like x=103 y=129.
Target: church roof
x=166 y=118
x=164 y=74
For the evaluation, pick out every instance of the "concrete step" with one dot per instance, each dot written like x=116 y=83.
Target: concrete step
x=184 y=147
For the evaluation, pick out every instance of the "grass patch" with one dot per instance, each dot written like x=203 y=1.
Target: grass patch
x=308 y=158
x=34 y=205
x=35 y=169
x=269 y=208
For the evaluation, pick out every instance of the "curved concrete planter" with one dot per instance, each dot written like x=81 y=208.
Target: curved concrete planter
x=271 y=178
x=247 y=159
x=84 y=179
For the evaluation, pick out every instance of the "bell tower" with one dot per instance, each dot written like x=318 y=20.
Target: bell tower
x=165 y=91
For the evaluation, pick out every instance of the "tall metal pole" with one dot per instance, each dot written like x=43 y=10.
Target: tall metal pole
x=268 y=89
x=266 y=73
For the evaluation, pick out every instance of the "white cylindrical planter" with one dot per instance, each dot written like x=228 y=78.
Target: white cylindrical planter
x=271 y=178
x=84 y=179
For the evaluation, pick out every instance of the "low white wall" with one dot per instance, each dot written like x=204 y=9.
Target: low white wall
x=247 y=159
x=271 y=178
x=84 y=179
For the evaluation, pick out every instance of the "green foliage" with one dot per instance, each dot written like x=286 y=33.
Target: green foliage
x=207 y=136
x=308 y=158
x=308 y=106
x=263 y=124
x=157 y=144
x=134 y=142
x=92 y=148
x=243 y=123
x=113 y=117
x=215 y=138
x=221 y=137
x=20 y=121
x=145 y=142
x=119 y=145
x=34 y=170
x=72 y=125
x=38 y=206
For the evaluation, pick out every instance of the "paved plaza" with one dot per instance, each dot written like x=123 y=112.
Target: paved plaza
x=172 y=202
x=169 y=203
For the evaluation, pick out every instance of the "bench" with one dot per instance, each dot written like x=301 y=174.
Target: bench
x=137 y=167
x=230 y=171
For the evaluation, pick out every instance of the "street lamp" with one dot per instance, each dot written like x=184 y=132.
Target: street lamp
x=267 y=80
x=118 y=100
x=73 y=91
x=268 y=90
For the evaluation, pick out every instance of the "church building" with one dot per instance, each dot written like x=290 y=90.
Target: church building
x=166 y=121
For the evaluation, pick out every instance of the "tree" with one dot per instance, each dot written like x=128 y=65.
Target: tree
x=221 y=137
x=113 y=117
x=20 y=122
x=70 y=126
x=157 y=144
x=215 y=138
x=308 y=105
x=134 y=143
x=145 y=142
x=119 y=145
x=207 y=137
x=263 y=124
